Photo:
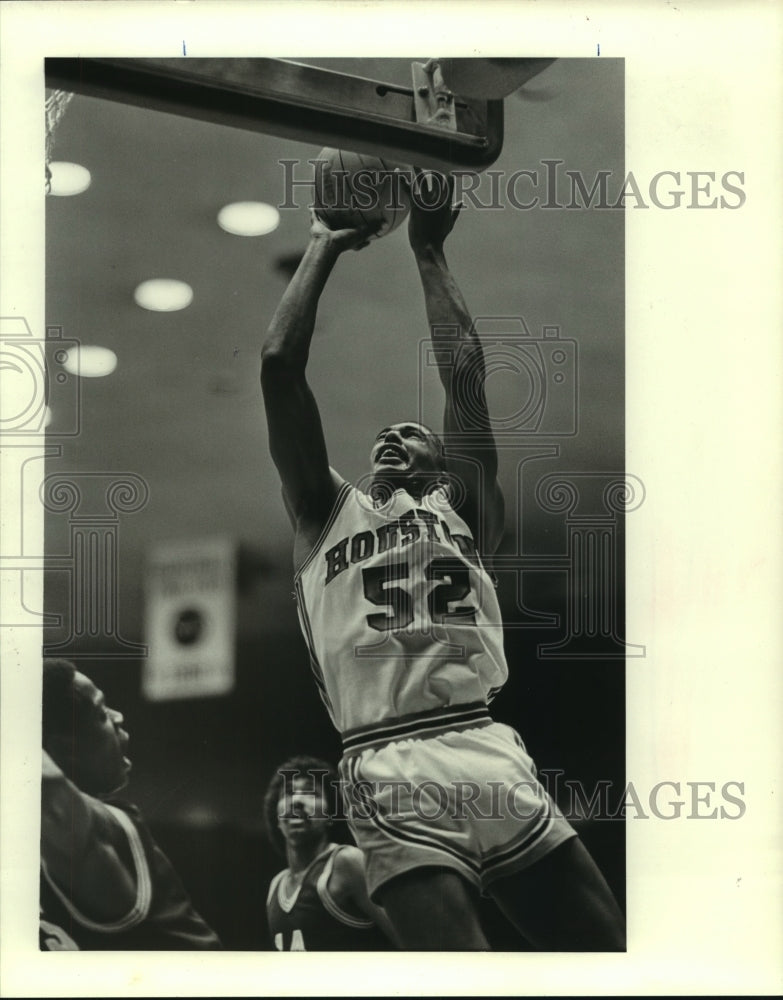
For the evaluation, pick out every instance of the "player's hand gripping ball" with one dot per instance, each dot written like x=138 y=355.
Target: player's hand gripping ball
x=355 y=191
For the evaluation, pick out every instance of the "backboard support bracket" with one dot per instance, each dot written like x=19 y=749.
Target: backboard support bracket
x=433 y=101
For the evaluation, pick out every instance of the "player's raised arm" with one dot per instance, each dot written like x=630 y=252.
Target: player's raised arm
x=83 y=847
x=295 y=434
x=471 y=454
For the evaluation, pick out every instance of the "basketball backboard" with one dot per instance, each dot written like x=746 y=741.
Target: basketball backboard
x=333 y=103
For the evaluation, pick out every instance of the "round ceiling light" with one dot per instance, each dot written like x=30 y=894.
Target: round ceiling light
x=248 y=218
x=163 y=295
x=68 y=178
x=90 y=362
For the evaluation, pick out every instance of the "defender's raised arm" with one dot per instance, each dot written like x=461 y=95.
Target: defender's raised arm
x=82 y=848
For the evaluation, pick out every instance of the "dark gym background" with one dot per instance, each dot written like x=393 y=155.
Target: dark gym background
x=183 y=412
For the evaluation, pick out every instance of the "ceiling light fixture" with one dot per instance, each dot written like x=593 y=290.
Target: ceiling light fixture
x=163 y=295
x=248 y=218
x=68 y=179
x=90 y=362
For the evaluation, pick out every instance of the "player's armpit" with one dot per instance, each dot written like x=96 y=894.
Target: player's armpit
x=288 y=508
x=337 y=480
x=482 y=505
x=492 y=516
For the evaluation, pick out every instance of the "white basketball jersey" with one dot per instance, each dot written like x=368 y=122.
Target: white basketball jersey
x=398 y=612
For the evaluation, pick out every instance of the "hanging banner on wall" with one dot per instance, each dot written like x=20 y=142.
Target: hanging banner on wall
x=190 y=619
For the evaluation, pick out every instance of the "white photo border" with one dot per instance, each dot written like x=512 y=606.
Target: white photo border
x=703 y=92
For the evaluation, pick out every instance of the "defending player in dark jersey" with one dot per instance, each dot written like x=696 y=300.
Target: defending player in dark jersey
x=105 y=883
x=405 y=635
x=319 y=902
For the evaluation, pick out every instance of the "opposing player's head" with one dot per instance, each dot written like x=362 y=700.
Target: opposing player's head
x=407 y=451
x=300 y=804
x=81 y=733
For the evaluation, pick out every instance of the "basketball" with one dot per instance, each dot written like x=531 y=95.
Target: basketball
x=354 y=190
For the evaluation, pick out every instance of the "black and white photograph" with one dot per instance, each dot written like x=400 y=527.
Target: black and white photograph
x=369 y=582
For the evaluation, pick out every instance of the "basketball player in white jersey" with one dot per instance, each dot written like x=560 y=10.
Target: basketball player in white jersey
x=320 y=901
x=405 y=637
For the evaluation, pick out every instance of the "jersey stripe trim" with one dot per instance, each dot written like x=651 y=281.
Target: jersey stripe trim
x=315 y=666
x=273 y=886
x=331 y=905
x=510 y=861
x=339 y=502
x=141 y=906
x=418 y=725
x=508 y=855
x=505 y=852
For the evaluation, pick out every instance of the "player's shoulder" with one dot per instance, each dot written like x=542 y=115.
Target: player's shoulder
x=348 y=861
x=343 y=874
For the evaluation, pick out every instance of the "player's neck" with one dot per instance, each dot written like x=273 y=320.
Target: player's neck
x=386 y=483
x=301 y=856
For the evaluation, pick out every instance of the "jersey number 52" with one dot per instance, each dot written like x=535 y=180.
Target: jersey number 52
x=452 y=584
